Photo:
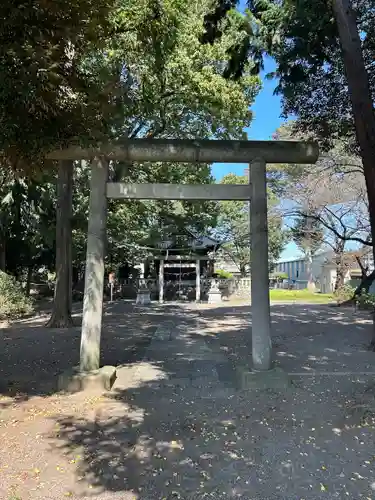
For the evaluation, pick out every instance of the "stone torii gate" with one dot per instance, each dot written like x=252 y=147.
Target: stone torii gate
x=256 y=153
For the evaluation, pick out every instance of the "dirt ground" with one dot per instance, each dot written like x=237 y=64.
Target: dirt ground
x=177 y=423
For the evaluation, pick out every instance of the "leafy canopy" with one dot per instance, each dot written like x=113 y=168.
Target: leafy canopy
x=45 y=98
x=302 y=37
x=140 y=71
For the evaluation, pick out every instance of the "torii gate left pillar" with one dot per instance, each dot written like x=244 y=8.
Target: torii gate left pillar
x=94 y=273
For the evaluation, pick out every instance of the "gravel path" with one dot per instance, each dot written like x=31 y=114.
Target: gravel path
x=177 y=424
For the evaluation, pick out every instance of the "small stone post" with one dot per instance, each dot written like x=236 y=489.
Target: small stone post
x=260 y=301
x=143 y=294
x=198 y=280
x=94 y=274
x=161 y=281
x=214 y=293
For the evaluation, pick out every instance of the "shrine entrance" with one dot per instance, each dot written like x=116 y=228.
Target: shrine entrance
x=179 y=277
x=183 y=263
x=256 y=153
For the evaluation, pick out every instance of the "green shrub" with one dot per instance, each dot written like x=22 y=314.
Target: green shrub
x=366 y=301
x=279 y=276
x=224 y=275
x=13 y=301
x=344 y=293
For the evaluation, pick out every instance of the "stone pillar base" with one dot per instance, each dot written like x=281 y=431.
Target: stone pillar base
x=275 y=378
x=214 y=297
x=74 y=380
x=214 y=294
x=143 y=298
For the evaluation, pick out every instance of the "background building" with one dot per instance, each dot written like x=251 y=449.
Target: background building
x=324 y=270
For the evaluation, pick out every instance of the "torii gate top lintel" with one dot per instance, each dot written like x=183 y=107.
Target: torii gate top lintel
x=195 y=151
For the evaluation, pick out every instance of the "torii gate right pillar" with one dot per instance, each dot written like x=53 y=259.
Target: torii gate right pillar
x=260 y=300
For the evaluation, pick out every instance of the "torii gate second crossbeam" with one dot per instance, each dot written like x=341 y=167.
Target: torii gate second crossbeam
x=257 y=153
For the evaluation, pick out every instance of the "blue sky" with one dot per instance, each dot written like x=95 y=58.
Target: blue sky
x=267 y=110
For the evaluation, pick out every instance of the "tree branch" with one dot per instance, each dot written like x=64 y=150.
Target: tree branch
x=366 y=242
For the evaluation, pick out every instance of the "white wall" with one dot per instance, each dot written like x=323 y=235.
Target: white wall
x=318 y=262
x=296 y=269
x=327 y=279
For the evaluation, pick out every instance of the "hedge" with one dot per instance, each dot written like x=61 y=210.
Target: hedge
x=13 y=301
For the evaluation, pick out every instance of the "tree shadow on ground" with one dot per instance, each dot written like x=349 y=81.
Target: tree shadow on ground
x=303 y=336
x=177 y=432
x=33 y=356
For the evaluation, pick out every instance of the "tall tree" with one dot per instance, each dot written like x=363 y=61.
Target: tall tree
x=360 y=96
x=316 y=52
x=167 y=83
x=325 y=69
x=332 y=193
x=41 y=50
x=62 y=304
x=307 y=232
x=175 y=85
x=233 y=228
x=130 y=71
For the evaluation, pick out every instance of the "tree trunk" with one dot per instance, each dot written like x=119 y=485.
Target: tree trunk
x=360 y=96
x=243 y=270
x=310 y=279
x=365 y=284
x=341 y=267
x=361 y=99
x=2 y=254
x=372 y=344
x=28 y=280
x=340 y=277
x=62 y=305
x=366 y=278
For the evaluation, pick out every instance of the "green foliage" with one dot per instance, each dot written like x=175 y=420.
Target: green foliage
x=279 y=276
x=306 y=32
x=303 y=39
x=222 y=274
x=316 y=88
x=27 y=217
x=365 y=300
x=13 y=301
x=40 y=53
x=344 y=293
x=246 y=48
x=108 y=71
x=308 y=234
x=168 y=83
x=85 y=71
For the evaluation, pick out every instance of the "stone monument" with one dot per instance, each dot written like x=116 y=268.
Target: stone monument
x=214 y=294
x=143 y=294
